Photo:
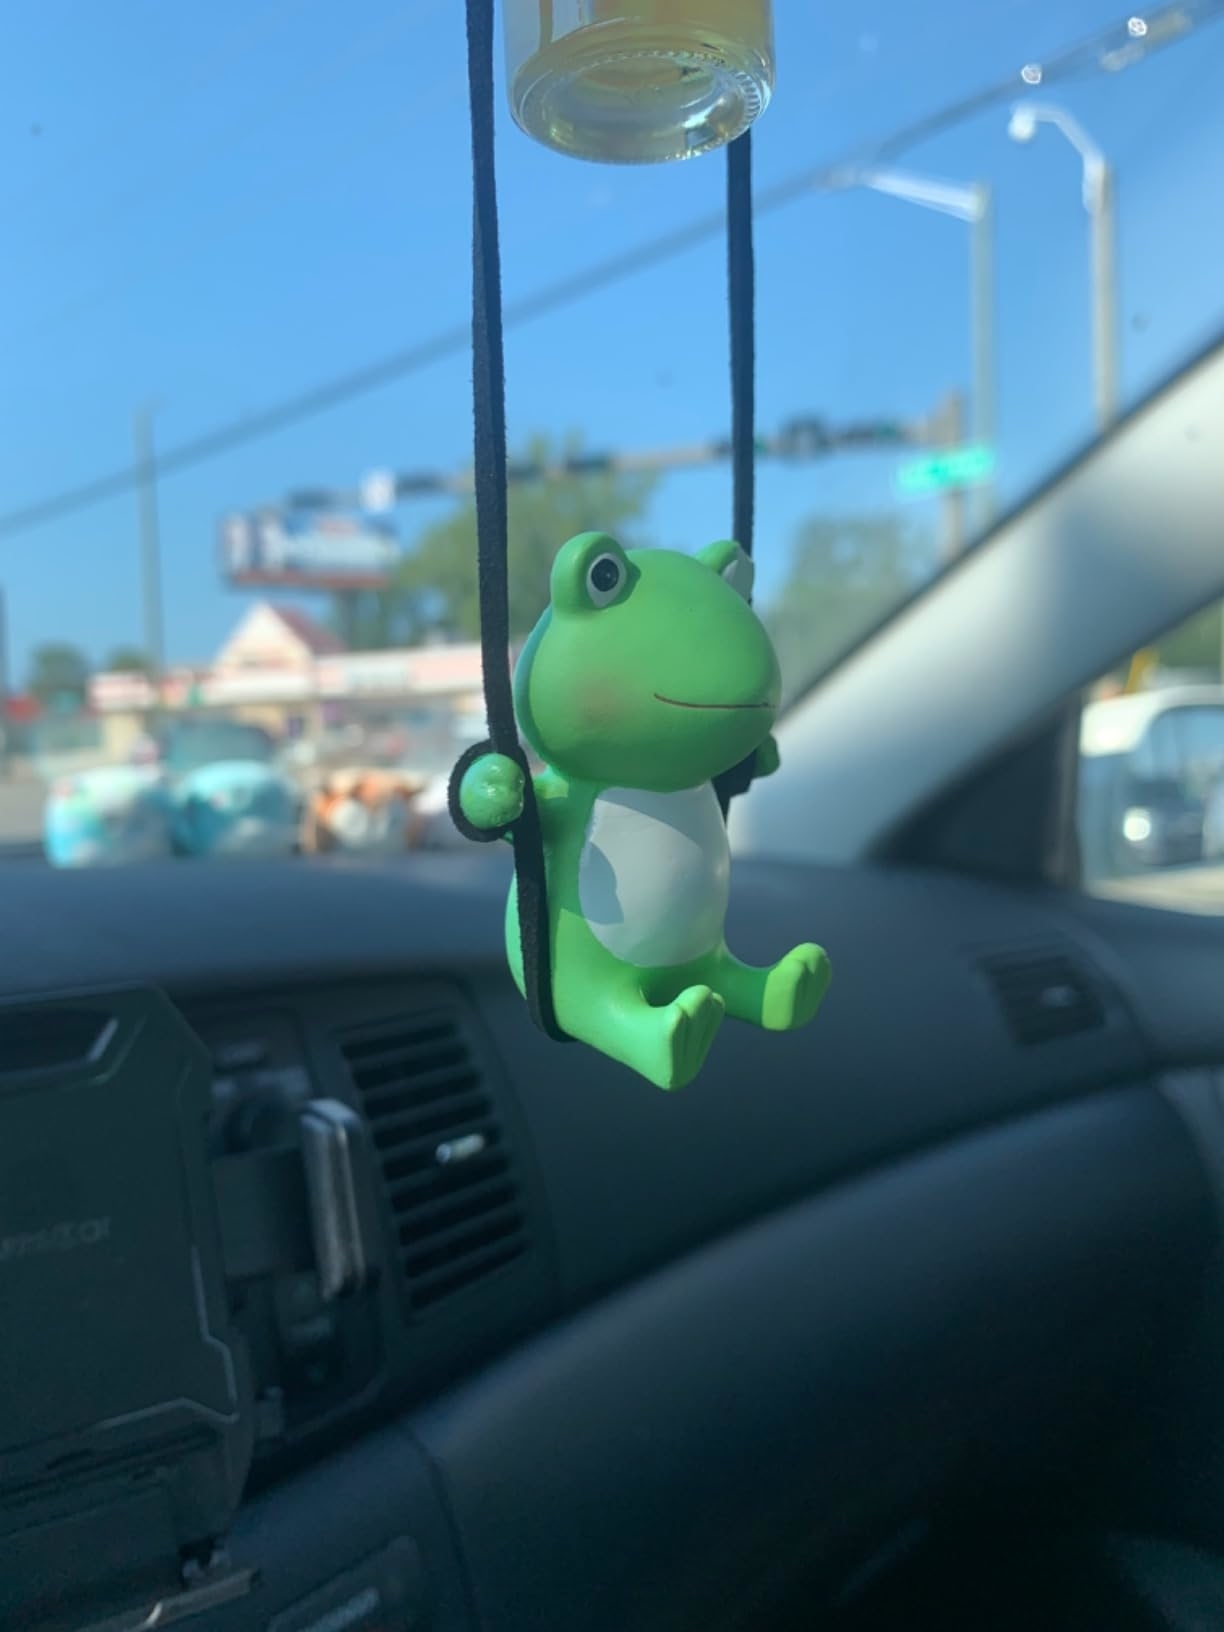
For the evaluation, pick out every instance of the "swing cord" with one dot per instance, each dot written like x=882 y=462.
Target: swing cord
x=492 y=527
x=741 y=303
x=492 y=535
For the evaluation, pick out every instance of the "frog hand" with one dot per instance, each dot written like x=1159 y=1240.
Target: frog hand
x=767 y=757
x=491 y=792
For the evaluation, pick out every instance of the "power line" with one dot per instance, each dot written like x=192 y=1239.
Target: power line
x=358 y=382
x=1103 y=53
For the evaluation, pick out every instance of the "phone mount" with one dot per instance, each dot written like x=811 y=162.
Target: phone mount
x=126 y=1413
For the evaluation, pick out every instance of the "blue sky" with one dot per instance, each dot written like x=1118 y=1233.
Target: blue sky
x=216 y=206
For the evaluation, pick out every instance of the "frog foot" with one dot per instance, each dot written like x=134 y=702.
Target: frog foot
x=794 y=988
x=690 y=1024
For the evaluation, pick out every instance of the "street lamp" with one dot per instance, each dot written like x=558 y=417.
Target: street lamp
x=974 y=205
x=1097 y=189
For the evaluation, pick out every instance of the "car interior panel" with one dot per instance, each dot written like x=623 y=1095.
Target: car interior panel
x=938 y=1264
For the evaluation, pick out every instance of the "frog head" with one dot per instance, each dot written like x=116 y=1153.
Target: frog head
x=649 y=668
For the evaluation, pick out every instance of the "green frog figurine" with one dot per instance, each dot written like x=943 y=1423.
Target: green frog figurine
x=647 y=676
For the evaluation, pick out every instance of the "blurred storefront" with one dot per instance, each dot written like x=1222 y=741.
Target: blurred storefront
x=288 y=674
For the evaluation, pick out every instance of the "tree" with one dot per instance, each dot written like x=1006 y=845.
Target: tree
x=128 y=660
x=363 y=619
x=846 y=573
x=1196 y=644
x=59 y=672
x=435 y=585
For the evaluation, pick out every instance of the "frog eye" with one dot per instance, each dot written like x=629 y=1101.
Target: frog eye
x=604 y=578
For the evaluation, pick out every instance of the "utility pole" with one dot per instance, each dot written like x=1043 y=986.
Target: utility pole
x=150 y=542
x=1104 y=295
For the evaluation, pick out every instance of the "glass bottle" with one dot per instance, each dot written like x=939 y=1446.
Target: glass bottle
x=638 y=81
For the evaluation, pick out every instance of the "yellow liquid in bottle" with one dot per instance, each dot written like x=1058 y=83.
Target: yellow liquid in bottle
x=638 y=81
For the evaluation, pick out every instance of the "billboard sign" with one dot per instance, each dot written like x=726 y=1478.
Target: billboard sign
x=287 y=550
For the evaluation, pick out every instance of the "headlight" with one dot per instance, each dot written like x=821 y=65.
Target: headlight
x=1137 y=826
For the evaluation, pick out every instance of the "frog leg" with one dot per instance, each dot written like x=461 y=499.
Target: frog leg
x=666 y=1043
x=780 y=998
x=617 y=1008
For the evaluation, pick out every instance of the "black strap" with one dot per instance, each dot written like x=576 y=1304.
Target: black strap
x=492 y=531
x=741 y=301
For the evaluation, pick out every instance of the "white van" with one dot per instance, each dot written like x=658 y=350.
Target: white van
x=1151 y=791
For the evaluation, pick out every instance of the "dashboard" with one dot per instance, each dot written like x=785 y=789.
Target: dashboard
x=602 y=1356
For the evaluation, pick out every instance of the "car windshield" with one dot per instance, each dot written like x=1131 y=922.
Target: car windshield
x=210 y=743
x=236 y=506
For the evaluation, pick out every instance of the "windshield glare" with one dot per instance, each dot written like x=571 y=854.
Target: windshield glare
x=236 y=507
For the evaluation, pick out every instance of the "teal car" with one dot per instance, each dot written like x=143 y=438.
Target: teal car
x=110 y=816
x=236 y=808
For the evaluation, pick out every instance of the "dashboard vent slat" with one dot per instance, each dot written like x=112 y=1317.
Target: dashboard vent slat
x=446 y=1247
x=473 y=1201
x=411 y=1186
x=432 y=1289
x=1045 y=996
x=402 y=1128
x=407 y=1091
x=450 y=1185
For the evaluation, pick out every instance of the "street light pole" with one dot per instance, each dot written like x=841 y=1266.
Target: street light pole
x=1098 y=195
x=150 y=540
x=1104 y=285
x=975 y=206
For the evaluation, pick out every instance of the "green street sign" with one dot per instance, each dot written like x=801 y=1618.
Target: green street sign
x=952 y=467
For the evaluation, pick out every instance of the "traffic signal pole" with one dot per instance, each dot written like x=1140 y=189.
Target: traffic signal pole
x=953 y=541
x=800 y=439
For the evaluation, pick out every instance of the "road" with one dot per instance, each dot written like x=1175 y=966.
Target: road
x=1178 y=889
x=1181 y=889
x=21 y=805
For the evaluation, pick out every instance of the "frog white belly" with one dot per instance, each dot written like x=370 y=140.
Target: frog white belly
x=654 y=876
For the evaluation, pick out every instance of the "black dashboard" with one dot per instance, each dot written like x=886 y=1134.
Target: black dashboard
x=635 y=1359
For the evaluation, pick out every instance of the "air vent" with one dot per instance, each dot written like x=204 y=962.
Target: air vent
x=1045 y=996
x=454 y=1200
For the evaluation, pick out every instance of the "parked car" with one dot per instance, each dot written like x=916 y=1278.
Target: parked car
x=236 y=808
x=107 y=817
x=363 y=812
x=190 y=744
x=1213 y=823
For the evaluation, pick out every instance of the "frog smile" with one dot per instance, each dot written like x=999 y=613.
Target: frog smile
x=676 y=702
